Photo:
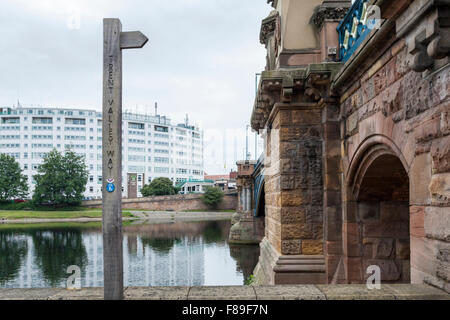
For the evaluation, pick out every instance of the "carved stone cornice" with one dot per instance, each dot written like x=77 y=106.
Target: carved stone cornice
x=330 y=10
x=270 y=37
x=310 y=85
x=268 y=27
x=426 y=26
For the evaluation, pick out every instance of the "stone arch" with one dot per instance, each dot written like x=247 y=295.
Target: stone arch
x=373 y=143
x=260 y=205
x=376 y=213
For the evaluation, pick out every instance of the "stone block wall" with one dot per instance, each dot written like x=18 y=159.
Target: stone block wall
x=379 y=235
x=171 y=203
x=294 y=181
x=407 y=112
x=358 y=154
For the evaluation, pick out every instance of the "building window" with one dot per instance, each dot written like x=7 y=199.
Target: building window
x=75 y=121
x=133 y=125
x=161 y=129
x=161 y=170
x=37 y=120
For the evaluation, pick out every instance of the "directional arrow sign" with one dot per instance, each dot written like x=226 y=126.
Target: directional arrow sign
x=132 y=40
x=114 y=40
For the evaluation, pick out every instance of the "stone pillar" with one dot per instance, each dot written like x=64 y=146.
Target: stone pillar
x=332 y=204
x=292 y=252
x=248 y=198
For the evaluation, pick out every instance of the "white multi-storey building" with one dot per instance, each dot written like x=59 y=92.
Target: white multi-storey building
x=152 y=146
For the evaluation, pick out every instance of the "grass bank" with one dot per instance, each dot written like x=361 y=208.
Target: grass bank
x=55 y=214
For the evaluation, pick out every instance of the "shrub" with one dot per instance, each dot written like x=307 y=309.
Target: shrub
x=213 y=196
x=159 y=187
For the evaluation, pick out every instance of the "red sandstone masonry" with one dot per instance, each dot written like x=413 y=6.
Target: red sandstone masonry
x=170 y=203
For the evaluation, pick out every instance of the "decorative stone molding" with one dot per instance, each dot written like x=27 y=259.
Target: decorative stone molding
x=426 y=26
x=316 y=86
x=268 y=27
x=307 y=85
x=270 y=37
x=330 y=10
x=273 y=3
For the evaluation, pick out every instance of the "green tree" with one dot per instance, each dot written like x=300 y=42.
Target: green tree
x=159 y=187
x=13 y=184
x=61 y=179
x=213 y=196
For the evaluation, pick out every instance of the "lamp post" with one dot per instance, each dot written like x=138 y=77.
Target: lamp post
x=247 y=154
x=256 y=132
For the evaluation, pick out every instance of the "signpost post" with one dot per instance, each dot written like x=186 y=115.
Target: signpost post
x=114 y=40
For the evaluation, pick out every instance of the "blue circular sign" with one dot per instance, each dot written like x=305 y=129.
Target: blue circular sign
x=110 y=187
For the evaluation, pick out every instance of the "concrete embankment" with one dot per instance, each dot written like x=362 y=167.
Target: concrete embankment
x=291 y=292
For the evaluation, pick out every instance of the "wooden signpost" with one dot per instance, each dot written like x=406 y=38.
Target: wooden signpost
x=114 y=40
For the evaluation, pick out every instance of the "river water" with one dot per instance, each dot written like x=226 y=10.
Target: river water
x=155 y=254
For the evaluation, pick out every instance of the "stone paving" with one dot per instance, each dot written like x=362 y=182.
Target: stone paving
x=288 y=292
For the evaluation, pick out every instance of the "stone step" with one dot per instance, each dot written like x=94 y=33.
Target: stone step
x=301 y=262
x=301 y=257
x=299 y=268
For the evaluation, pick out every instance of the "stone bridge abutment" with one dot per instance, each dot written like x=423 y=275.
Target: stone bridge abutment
x=357 y=145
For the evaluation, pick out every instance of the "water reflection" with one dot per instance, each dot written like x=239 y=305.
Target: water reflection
x=56 y=250
x=246 y=257
x=12 y=252
x=164 y=254
x=160 y=244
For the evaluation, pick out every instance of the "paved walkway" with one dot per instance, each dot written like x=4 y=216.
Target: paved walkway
x=299 y=292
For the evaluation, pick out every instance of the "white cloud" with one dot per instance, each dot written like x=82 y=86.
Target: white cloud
x=201 y=59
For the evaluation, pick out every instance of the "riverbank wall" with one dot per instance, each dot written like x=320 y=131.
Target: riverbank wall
x=180 y=202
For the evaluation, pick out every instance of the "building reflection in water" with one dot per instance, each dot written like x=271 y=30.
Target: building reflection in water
x=165 y=254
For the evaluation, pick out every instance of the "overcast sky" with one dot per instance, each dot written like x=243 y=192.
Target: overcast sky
x=201 y=59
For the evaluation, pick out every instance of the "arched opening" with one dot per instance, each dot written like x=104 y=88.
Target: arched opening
x=377 y=219
x=261 y=205
x=260 y=212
